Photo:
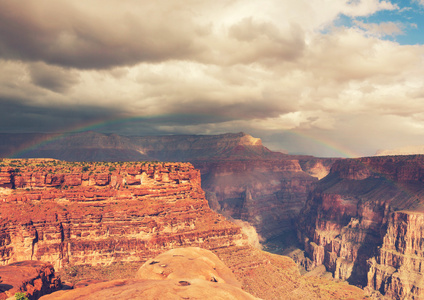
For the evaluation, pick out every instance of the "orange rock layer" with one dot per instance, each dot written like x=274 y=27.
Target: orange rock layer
x=77 y=213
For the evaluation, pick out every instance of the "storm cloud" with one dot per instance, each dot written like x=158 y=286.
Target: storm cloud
x=263 y=67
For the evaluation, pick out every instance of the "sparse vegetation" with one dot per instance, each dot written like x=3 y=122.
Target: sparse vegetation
x=74 y=274
x=20 y=296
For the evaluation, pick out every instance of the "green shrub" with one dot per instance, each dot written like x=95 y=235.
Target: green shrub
x=20 y=296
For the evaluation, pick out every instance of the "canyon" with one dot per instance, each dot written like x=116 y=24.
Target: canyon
x=359 y=219
x=241 y=177
x=72 y=214
x=364 y=223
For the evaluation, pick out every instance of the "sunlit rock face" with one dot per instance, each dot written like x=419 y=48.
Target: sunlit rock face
x=100 y=213
x=355 y=223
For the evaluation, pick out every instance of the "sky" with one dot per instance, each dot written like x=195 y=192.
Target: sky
x=318 y=77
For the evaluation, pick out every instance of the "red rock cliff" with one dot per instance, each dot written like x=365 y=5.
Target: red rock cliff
x=351 y=223
x=99 y=213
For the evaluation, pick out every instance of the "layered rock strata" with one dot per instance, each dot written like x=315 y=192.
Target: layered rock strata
x=363 y=222
x=100 y=213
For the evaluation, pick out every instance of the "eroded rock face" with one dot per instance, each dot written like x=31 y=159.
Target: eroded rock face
x=352 y=224
x=34 y=278
x=76 y=213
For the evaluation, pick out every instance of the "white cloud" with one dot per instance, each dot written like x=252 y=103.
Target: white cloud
x=421 y=2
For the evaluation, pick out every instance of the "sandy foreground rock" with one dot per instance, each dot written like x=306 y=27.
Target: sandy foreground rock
x=184 y=273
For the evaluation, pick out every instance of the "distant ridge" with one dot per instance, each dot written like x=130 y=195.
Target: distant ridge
x=94 y=146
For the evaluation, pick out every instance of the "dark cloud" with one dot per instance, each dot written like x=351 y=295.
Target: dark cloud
x=52 y=78
x=70 y=34
x=16 y=115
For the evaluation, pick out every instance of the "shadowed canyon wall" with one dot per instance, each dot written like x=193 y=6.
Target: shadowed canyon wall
x=268 y=194
x=364 y=222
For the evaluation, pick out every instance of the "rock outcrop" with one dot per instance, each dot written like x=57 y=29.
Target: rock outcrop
x=363 y=222
x=100 y=213
x=33 y=278
x=183 y=273
x=187 y=264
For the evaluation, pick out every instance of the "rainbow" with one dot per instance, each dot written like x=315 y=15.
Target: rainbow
x=327 y=143
x=93 y=125
x=48 y=138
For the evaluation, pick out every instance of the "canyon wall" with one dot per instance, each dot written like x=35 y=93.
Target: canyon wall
x=363 y=222
x=99 y=213
x=396 y=271
x=268 y=194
